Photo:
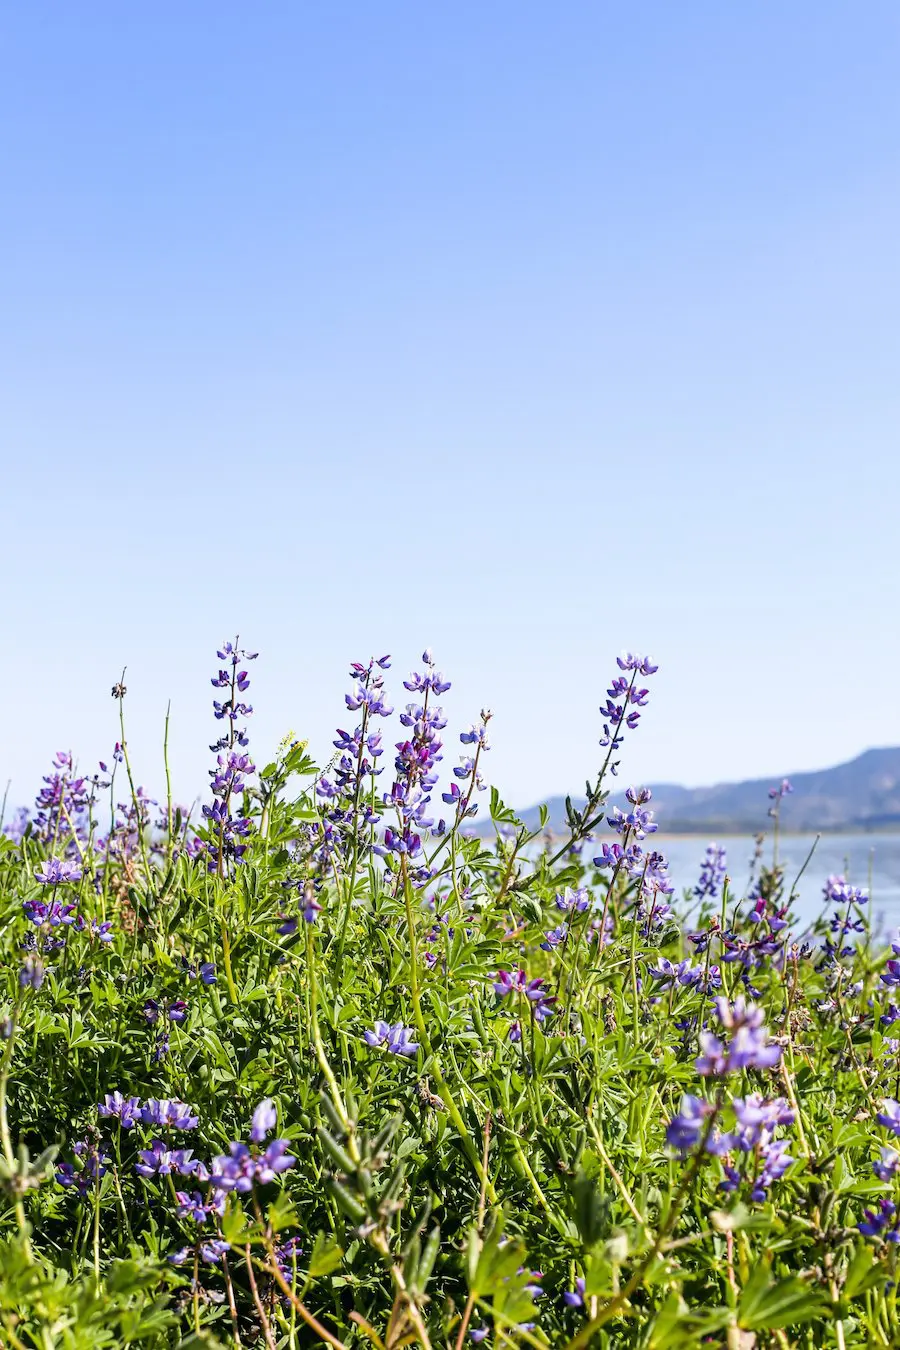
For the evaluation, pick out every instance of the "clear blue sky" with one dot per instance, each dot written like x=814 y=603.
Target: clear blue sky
x=526 y=331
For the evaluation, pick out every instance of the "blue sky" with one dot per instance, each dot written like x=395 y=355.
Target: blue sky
x=526 y=331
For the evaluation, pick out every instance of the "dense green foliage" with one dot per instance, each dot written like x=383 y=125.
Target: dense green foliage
x=513 y=1150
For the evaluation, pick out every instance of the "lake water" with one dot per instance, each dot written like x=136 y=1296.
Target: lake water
x=871 y=860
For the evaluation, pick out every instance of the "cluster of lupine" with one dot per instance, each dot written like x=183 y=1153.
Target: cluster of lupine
x=649 y=869
x=241 y=1169
x=350 y=815
x=624 y=699
x=712 y=873
x=687 y=976
x=63 y=822
x=91 y=1160
x=529 y=996
x=416 y=774
x=846 y=918
x=226 y=829
x=756 y=1119
x=525 y=1098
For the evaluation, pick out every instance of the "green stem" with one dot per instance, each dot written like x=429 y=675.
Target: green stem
x=5 y=1135
x=226 y=961
x=443 y=1089
x=613 y=1305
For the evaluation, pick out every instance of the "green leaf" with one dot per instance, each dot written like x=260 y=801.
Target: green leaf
x=766 y=1305
x=863 y=1273
x=326 y=1256
x=235 y=1228
x=591 y=1209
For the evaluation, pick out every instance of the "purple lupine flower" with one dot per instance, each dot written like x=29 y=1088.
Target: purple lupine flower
x=178 y=1256
x=680 y=972
x=285 y=1254
x=611 y=855
x=226 y=831
x=577 y=901
x=891 y=973
x=712 y=872
x=834 y=886
x=554 y=937
x=234 y=1170
x=877 y=1223
x=638 y=822
x=885 y=1167
x=57 y=871
x=193 y=1206
x=62 y=805
x=574 y=1298
x=264 y=1120
x=168 y=1113
x=311 y=907
x=758 y=1118
x=640 y=663
x=273 y=1160
x=377 y=1035
x=685 y=1130
x=477 y=1334
x=398 y=1038
x=506 y=983
x=749 y=1047
x=616 y=714
x=206 y=970
x=50 y=913
x=775 y=1162
x=214 y=1250
x=890 y=1116
x=160 y=1160
x=239 y=1168
x=92 y=1169
x=533 y=1288
x=713 y=1061
x=15 y=828
x=840 y=892
x=127 y=1110
x=177 y=1010
x=652 y=872
x=31 y=976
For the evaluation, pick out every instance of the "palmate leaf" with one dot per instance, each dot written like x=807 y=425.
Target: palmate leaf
x=498 y=1271
x=500 y=813
x=676 y=1325
x=768 y=1305
x=493 y=1261
x=326 y=1256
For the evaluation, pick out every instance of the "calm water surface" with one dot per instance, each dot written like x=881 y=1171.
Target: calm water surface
x=871 y=860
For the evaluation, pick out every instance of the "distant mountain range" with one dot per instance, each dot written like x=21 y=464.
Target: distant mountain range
x=861 y=795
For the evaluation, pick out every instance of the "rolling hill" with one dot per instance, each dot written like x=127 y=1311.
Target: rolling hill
x=863 y=794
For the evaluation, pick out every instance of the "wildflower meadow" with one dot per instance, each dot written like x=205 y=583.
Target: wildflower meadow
x=347 y=1056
